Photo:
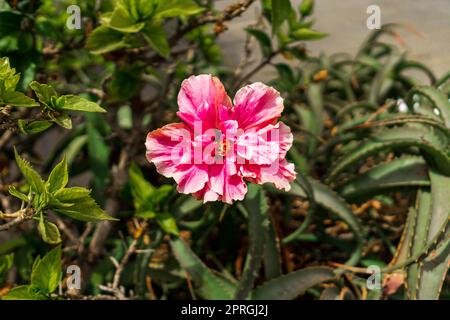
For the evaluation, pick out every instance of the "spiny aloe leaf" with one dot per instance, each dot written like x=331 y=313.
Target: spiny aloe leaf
x=208 y=284
x=271 y=257
x=383 y=80
x=397 y=138
x=291 y=285
x=256 y=207
x=408 y=171
x=405 y=65
x=420 y=239
x=437 y=98
x=433 y=270
x=405 y=243
x=366 y=105
x=400 y=120
x=331 y=293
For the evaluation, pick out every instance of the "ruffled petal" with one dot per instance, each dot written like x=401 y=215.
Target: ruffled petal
x=190 y=178
x=225 y=182
x=203 y=98
x=281 y=174
x=257 y=105
x=169 y=147
x=266 y=145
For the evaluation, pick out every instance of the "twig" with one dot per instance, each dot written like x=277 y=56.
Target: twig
x=267 y=60
x=21 y=216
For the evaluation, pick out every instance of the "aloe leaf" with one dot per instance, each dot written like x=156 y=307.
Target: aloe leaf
x=383 y=80
x=420 y=239
x=315 y=99
x=405 y=243
x=397 y=138
x=405 y=65
x=256 y=209
x=271 y=255
x=433 y=271
x=365 y=105
x=410 y=171
x=208 y=284
x=331 y=293
x=437 y=98
x=293 y=284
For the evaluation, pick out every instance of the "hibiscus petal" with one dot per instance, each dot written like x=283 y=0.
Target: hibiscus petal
x=190 y=178
x=206 y=194
x=257 y=105
x=168 y=147
x=266 y=145
x=281 y=174
x=202 y=98
x=225 y=182
x=236 y=189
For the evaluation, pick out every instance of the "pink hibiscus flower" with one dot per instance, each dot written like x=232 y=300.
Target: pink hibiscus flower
x=221 y=145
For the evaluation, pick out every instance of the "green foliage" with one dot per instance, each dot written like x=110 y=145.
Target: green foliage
x=149 y=201
x=8 y=83
x=45 y=278
x=6 y=262
x=133 y=21
x=51 y=195
x=371 y=149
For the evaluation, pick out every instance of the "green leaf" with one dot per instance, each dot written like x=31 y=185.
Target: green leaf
x=64 y=121
x=59 y=177
x=433 y=270
x=122 y=21
x=141 y=189
x=31 y=176
x=49 y=231
x=402 y=172
x=104 y=39
x=162 y=193
x=24 y=293
x=18 y=99
x=256 y=207
x=280 y=12
x=16 y=193
x=99 y=152
x=83 y=207
x=156 y=37
x=44 y=92
x=175 y=8
x=46 y=273
x=73 y=194
x=263 y=39
x=6 y=262
x=76 y=103
x=208 y=284
x=293 y=284
x=306 y=7
x=168 y=223
x=437 y=98
x=393 y=139
x=34 y=127
x=9 y=22
x=307 y=34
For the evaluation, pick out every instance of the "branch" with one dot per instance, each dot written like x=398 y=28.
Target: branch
x=19 y=216
x=267 y=60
